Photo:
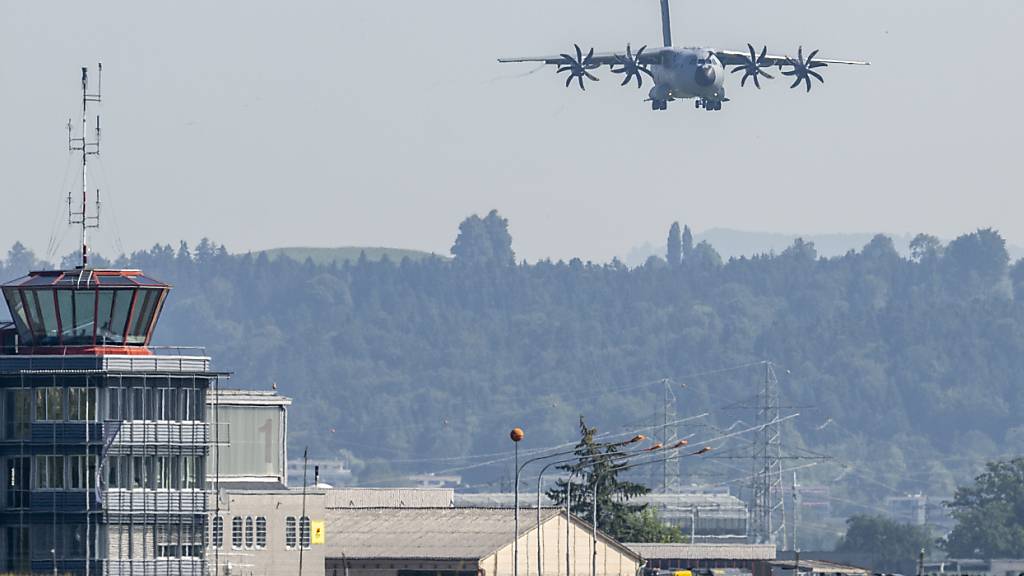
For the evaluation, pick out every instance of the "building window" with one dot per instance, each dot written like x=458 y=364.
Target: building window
x=289 y=532
x=304 y=532
x=83 y=471
x=82 y=404
x=116 y=468
x=189 y=474
x=236 y=532
x=218 y=532
x=248 y=532
x=17 y=413
x=50 y=403
x=50 y=472
x=140 y=472
x=164 y=472
x=18 y=470
x=114 y=404
x=261 y=532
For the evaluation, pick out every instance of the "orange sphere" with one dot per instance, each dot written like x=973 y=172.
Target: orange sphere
x=516 y=435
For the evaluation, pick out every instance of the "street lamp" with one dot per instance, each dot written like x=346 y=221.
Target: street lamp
x=517 y=436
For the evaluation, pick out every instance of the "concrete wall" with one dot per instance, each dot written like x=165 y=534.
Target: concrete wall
x=276 y=559
x=611 y=560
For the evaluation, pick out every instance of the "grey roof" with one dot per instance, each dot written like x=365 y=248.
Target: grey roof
x=427 y=533
x=389 y=498
x=252 y=486
x=820 y=567
x=705 y=551
x=231 y=397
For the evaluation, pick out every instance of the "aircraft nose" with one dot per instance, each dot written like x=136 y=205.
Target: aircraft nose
x=705 y=75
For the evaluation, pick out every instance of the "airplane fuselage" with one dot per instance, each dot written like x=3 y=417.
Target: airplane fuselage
x=688 y=73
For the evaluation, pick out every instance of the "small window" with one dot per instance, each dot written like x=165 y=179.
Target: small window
x=218 y=532
x=248 y=532
x=50 y=472
x=261 y=532
x=83 y=472
x=236 y=532
x=290 y=539
x=50 y=404
x=305 y=532
x=140 y=472
x=82 y=404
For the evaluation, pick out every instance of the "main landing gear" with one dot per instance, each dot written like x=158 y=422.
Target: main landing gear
x=708 y=104
x=659 y=105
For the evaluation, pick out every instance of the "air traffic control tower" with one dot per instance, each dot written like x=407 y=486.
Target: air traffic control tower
x=103 y=437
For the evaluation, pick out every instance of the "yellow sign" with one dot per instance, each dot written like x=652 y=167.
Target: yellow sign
x=318 y=532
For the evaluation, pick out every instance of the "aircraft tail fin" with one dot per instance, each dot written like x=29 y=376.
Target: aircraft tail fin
x=666 y=24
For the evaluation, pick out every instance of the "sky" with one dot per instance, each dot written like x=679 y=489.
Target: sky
x=329 y=123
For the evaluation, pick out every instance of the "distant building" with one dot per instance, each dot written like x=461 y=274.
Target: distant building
x=909 y=509
x=754 y=558
x=703 y=516
x=390 y=498
x=974 y=567
x=466 y=542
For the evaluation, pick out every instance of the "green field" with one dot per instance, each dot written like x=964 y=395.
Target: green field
x=346 y=253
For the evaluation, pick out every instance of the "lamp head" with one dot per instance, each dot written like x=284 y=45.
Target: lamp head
x=516 y=434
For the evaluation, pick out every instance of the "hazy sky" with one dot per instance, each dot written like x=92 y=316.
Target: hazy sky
x=265 y=124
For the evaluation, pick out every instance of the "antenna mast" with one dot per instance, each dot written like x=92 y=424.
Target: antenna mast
x=82 y=217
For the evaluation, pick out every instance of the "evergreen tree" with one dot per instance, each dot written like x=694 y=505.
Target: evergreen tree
x=687 y=242
x=596 y=467
x=673 y=253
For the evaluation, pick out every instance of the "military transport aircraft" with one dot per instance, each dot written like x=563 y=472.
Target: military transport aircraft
x=680 y=73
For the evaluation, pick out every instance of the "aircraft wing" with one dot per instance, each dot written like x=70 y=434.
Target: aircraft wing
x=738 y=57
x=649 y=56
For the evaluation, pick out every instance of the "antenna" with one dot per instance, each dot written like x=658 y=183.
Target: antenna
x=81 y=216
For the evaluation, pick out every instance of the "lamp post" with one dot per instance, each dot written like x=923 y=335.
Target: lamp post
x=517 y=436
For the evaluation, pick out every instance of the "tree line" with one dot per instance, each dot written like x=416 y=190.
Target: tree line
x=904 y=369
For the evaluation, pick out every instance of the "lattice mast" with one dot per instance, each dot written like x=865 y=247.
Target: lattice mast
x=769 y=514
x=669 y=437
x=81 y=217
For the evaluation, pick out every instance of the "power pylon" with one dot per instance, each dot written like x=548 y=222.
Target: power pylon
x=768 y=504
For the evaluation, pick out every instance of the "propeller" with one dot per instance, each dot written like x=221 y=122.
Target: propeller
x=752 y=67
x=631 y=66
x=578 y=67
x=803 y=70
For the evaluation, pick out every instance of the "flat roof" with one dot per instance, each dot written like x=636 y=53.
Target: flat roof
x=819 y=567
x=239 y=397
x=705 y=551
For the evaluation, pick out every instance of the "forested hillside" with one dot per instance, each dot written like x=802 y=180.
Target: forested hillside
x=909 y=371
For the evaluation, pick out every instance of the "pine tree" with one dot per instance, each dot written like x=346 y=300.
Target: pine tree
x=687 y=242
x=673 y=253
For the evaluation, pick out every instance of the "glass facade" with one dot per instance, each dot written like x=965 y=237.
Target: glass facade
x=100 y=308
x=114 y=455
